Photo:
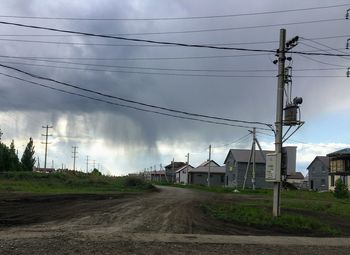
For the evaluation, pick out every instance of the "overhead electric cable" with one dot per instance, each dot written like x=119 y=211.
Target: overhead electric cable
x=123 y=45
x=140 y=58
x=175 y=18
x=213 y=29
x=133 y=101
x=163 y=69
x=165 y=42
x=128 y=106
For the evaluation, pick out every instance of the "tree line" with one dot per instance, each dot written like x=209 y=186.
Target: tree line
x=9 y=160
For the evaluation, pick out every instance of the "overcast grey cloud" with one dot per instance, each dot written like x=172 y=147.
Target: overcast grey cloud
x=126 y=140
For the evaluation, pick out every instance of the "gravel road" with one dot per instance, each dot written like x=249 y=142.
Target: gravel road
x=165 y=222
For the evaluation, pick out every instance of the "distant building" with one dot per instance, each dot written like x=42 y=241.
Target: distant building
x=182 y=174
x=339 y=162
x=199 y=175
x=43 y=170
x=318 y=173
x=297 y=179
x=236 y=165
x=170 y=170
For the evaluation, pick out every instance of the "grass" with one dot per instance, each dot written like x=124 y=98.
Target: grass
x=68 y=182
x=260 y=217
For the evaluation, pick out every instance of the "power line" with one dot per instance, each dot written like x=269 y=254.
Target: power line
x=166 y=42
x=132 y=101
x=130 y=107
x=139 y=58
x=168 y=69
x=203 y=30
x=124 y=45
x=177 y=74
x=174 y=18
x=142 y=73
x=133 y=39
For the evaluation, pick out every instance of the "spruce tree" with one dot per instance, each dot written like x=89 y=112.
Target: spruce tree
x=28 y=159
x=14 y=161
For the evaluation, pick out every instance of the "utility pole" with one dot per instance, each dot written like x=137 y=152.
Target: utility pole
x=87 y=164
x=253 y=174
x=46 y=143
x=94 y=161
x=209 y=165
x=276 y=209
x=172 y=170
x=74 y=155
x=188 y=161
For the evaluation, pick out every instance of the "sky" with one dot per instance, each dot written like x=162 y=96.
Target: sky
x=231 y=84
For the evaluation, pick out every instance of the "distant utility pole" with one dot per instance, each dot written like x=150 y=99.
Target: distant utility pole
x=209 y=165
x=94 y=161
x=188 y=161
x=87 y=164
x=46 y=142
x=74 y=152
x=173 y=177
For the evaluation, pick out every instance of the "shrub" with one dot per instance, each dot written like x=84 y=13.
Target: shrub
x=341 y=190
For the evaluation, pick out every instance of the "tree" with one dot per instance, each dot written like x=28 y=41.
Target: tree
x=27 y=160
x=95 y=172
x=341 y=190
x=14 y=161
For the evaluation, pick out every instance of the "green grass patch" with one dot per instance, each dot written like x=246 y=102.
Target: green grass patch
x=260 y=217
x=68 y=182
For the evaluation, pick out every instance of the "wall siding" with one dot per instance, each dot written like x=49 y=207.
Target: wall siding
x=316 y=174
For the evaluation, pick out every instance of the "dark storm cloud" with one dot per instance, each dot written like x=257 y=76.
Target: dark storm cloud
x=249 y=98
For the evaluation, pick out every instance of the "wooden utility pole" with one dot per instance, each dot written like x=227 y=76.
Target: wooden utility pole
x=87 y=164
x=253 y=174
x=209 y=165
x=188 y=161
x=172 y=170
x=74 y=155
x=46 y=141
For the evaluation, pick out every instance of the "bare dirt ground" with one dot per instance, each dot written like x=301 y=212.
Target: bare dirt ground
x=165 y=222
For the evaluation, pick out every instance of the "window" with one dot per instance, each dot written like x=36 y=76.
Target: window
x=337 y=165
x=332 y=180
x=323 y=182
x=222 y=178
x=323 y=169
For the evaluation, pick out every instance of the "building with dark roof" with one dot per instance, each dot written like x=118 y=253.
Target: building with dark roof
x=236 y=167
x=318 y=173
x=339 y=162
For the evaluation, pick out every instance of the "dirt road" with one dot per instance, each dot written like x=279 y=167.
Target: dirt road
x=165 y=222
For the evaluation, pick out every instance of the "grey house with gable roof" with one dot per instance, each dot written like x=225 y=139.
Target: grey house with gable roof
x=236 y=164
x=318 y=173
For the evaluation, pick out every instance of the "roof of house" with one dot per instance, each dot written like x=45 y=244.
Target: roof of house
x=204 y=169
x=206 y=163
x=324 y=160
x=183 y=168
x=161 y=172
x=296 y=175
x=243 y=155
x=177 y=165
x=345 y=151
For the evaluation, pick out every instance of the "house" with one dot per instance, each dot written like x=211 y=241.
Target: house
x=182 y=174
x=297 y=179
x=155 y=176
x=170 y=170
x=43 y=170
x=318 y=173
x=339 y=162
x=236 y=166
x=236 y=163
x=199 y=175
